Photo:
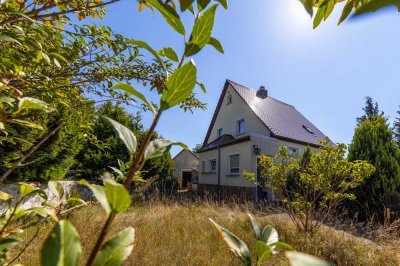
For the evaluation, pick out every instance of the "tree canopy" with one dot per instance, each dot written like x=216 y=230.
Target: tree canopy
x=373 y=142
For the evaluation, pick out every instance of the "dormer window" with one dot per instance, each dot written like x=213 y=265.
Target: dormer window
x=229 y=99
x=309 y=130
x=220 y=132
x=240 y=126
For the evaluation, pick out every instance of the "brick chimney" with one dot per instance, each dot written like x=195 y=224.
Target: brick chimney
x=262 y=92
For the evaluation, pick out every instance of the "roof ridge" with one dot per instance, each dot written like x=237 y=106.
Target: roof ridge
x=272 y=98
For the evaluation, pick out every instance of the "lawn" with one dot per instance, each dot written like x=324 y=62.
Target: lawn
x=181 y=234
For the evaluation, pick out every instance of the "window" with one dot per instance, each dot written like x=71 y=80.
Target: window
x=293 y=151
x=234 y=164
x=213 y=165
x=220 y=132
x=229 y=99
x=309 y=130
x=240 y=126
x=203 y=166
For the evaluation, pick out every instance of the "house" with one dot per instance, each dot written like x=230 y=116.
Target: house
x=186 y=169
x=247 y=123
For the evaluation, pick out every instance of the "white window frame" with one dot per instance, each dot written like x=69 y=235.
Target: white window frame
x=238 y=126
x=209 y=163
x=229 y=164
x=220 y=132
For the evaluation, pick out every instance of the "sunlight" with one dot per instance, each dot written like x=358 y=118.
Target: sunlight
x=295 y=18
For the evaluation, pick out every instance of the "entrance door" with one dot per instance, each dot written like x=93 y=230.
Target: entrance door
x=186 y=177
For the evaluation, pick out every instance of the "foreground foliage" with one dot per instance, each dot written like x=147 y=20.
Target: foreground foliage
x=314 y=186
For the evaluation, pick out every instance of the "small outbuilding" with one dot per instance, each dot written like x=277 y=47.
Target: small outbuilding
x=186 y=169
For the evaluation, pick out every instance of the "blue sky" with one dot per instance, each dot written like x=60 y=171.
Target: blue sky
x=325 y=73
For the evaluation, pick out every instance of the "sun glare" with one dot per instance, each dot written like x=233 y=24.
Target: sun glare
x=294 y=18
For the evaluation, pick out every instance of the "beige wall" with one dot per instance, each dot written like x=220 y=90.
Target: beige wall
x=246 y=163
x=228 y=116
x=270 y=146
x=248 y=159
x=184 y=160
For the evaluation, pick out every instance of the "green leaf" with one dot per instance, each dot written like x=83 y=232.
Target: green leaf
x=117 y=249
x=216 y=44
x=144 y=45
x=256 y=226
x=24 y=123
x=5 y=38
x=185 y=4
x=346 y=11
x=62 y=246
x=118 y=197
x=375 y=5
x=169 y=15
x=301 y=259
x=269 y=235
x=329 y=8
x=237 y=246
x=202 y=4
x=125 y=134
x=7 y=100
x=282 y=245
x=74 y=199
x=201 y=32
x=132 y=91
x=224 y=3
x=158 y=147
x=202 y=87
x=28 y=103
x=320 y=15
x=263 y=251
x=261 y=247
x=308 y=5
x=119 y=173
x=44 y=212
x=57 y=189
x=5 y=196
x=169 y=53
x=28 y=189
x=179 y=86
x=100 y=194
x=6 y=243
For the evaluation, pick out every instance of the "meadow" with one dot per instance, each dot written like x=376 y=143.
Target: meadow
x=173 y=233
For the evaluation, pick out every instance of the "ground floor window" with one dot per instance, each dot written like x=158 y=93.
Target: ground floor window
x=213 y=165
x=234 y=164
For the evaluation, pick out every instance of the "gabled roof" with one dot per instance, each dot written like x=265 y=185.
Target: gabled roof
x=222 y=141
x=182 y=152
x=281 y=119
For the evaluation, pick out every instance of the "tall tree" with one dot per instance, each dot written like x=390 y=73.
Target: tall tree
x=371 y=110
x=373 y=142
x=103 y=148
x=396 y=128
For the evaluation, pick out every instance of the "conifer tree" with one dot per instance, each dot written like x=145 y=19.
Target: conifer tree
x=396 y=128
x=373 y=142
x=371 y=110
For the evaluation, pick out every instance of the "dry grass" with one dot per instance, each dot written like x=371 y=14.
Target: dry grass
x=176 y=234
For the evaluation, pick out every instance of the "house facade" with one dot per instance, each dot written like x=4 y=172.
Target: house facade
x=245 y=124
x=186 y=169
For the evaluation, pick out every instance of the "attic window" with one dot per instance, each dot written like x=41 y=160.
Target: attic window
x=229 y=99
x=309 y=130
x=220 y=132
